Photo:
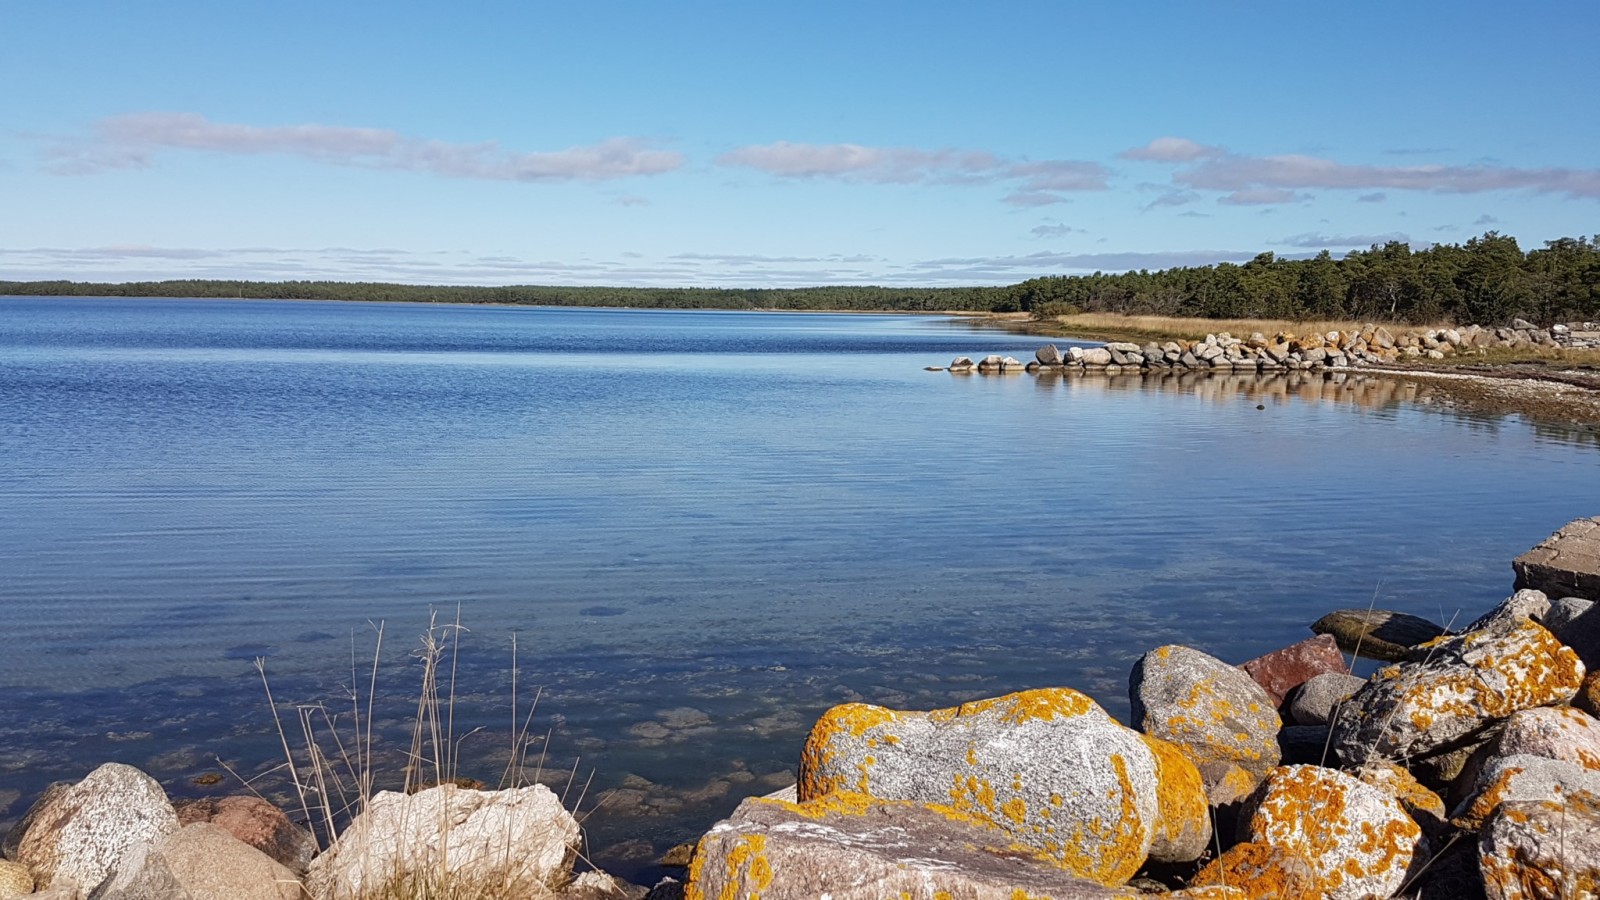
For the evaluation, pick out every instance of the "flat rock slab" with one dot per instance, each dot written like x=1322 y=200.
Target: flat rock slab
x=847 y=846
x=1566 y=564
x=1377 y=633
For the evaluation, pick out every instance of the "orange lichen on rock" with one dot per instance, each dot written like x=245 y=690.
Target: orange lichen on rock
x=853 y=719
x=1183 y=824
x=1260 y=871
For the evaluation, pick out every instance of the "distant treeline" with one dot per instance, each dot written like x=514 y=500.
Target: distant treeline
x=1488 y=280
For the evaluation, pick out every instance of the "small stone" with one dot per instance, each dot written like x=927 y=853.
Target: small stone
x=678 y=856
x=1588 y=696
x=1281 y=671
x=1376 y=633
x=1318 y=699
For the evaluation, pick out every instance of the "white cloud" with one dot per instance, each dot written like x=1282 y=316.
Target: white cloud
x=1171 y=150
x=132 y=140
x=1322 y=241
x=1261 y=197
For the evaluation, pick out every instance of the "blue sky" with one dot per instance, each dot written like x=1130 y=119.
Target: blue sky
x=772 y=144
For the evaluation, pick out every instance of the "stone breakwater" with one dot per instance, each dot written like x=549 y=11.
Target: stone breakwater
x=1467 y=767
x=1370 y=345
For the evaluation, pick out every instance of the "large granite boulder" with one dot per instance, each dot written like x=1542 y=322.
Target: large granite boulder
x=1048 y=766
x=1520 y=777
x=1554 y=732
x=848 y=846
x=1545 y=849
x=1565 y=564
x=198 y=862
x=82 y=833
x=1453 y=690
x=1048 y=355
x=1183 y=822
x=257 y=823
x=1357 y=840
x=1376 y=633
x=1283 y=670
x=521 y=839
x=1582 y=634
x=1223 y=721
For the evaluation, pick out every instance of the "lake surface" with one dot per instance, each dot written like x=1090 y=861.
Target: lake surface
x=703 y=527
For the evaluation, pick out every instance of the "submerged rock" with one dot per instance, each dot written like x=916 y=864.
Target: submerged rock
x=1049 y=767
x=1224 y=722
x=1376 y=633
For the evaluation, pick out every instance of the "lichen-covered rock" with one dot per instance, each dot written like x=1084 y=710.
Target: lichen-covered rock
x=1223 y=721
x=198 y=862
x=848 y=846
x=1318 y=699
x=1554 y=732
x=14 y=880
x=1377 y=633
x=1456 y=689
x=1423 y=806
x=1524 y=604
x=1183 y=823
x=83 y=832
x=1047 y=766
x=257 y=823
x=1283 y=670
x=1588 y=696
x=1542 y=849
x=1261 y=871
x=1520 y=777
x=1358 y=840
x=521 y=838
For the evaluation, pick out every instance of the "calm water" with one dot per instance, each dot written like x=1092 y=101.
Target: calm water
x=703 y=527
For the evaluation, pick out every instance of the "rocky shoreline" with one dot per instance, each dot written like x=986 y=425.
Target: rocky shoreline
x=1467 y=766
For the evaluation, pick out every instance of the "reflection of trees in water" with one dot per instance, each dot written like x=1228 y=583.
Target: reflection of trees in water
x=1366 y=394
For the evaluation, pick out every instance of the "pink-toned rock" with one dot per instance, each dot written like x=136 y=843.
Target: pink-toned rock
x=257 y=823
x=1281 y=671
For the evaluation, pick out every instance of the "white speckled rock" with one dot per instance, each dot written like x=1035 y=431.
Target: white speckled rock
x=200 y=861
x=1520 y=777
x=847 y=846
x=1047 y=766
x=82 y=833
x=521 y=837
x=1357 y=839
x=14 y=880
x=1454 y=689
x=1542 y=849
x=1216 y=713
x=1554 y=732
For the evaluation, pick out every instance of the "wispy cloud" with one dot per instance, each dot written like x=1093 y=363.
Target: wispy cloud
x=1261 y=197
x=133 y=140
x=1052 y=230
x=1377 y=197
x=1323 y=241
x=1247 y=178
x=1034 y=182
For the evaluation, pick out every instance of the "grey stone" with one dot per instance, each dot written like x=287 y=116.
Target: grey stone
x=1582 y=634
x=1039 y=765
x=1048 y=355
x=1566 y=564
x=199 y=862
x=1358 y=840
x=1097 y=356
x=83 y=832
x=1455 y=691
x=1314 y=702
x=1547 y=848
x=1562 y=612
x=1225 y=722
x=1519 y=777
x=1526 y=604
x=1554 y=732
x=520 y=837
x=1376 y=633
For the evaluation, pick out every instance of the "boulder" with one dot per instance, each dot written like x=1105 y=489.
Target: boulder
x=1423 y=806
x=1565 y=564
x=1564 y=611
x=848 y=846
x=521 y=838
x=600 y=886
x=1224 y=722
x=13 y=839
x=1048 y=355
x=14 y=880
x=1559 y=732
x=1526 y=604
x=1520 y=777
x=1281 y=671
x=1582 y=634
x=1316 y=701
x=1357 y=840
x=1454 y=690
x=1542 y=849
x=1183 y=823
x=257 y=823
x=1096 y=356
x=1048 y=767
x=198 y=862
x=1376 y=633
x=83 y=832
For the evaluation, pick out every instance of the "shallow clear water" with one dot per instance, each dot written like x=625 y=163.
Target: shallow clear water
x=704 y=528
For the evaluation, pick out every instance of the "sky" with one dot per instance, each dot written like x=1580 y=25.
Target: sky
x=771 y=144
